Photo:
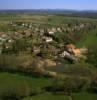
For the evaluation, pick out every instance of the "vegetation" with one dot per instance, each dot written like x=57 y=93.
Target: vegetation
x=20 y=86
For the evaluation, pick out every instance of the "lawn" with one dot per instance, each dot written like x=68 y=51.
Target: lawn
x=21 y=84
x=85 y=96
x=89 y=40
x=48 y=96
x=16 y=82
x=76 y=96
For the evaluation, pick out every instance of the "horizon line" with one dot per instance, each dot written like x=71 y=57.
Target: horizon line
x=53 y=9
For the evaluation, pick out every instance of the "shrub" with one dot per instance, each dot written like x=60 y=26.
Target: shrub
x=15 y=92
x=69 y=85
x=92 y=55
x=93 y=86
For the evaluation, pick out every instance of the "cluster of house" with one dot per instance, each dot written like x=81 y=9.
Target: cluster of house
x=41 y=28
x=74 y=54
x=71 y=51
x=5 y=41
x=51 y=30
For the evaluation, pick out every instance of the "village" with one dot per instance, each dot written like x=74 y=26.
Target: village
x=36 y=40
x=50 y=45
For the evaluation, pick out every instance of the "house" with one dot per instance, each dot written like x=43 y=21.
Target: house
x=5 y=36
x=70 y=47
x=48 y=29
x=59 y=29
x=42 y=31
x=30 y=25
x=10 y=41
x=36 y=50
x=47 y=39
x=65 y=54
x=16 y=33
x=23 y=24
x=2 y=39
x=27 y=33
x=51 y=32
x=1 y=33
x=82 y=26
x=68 y=56
x=84 y=50
x=52 y=74
x=8 y=46
x=77 y=52
x=54 y=29
x=36 y=29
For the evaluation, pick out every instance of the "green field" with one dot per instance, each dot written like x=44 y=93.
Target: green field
x=15 y=82
x=89 y=40
x=48 y=96
x=85 y=96
x=77 y=96
x=20 y=84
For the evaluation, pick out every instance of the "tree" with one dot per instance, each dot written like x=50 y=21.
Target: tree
x=92 y=55
x=69 y=85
